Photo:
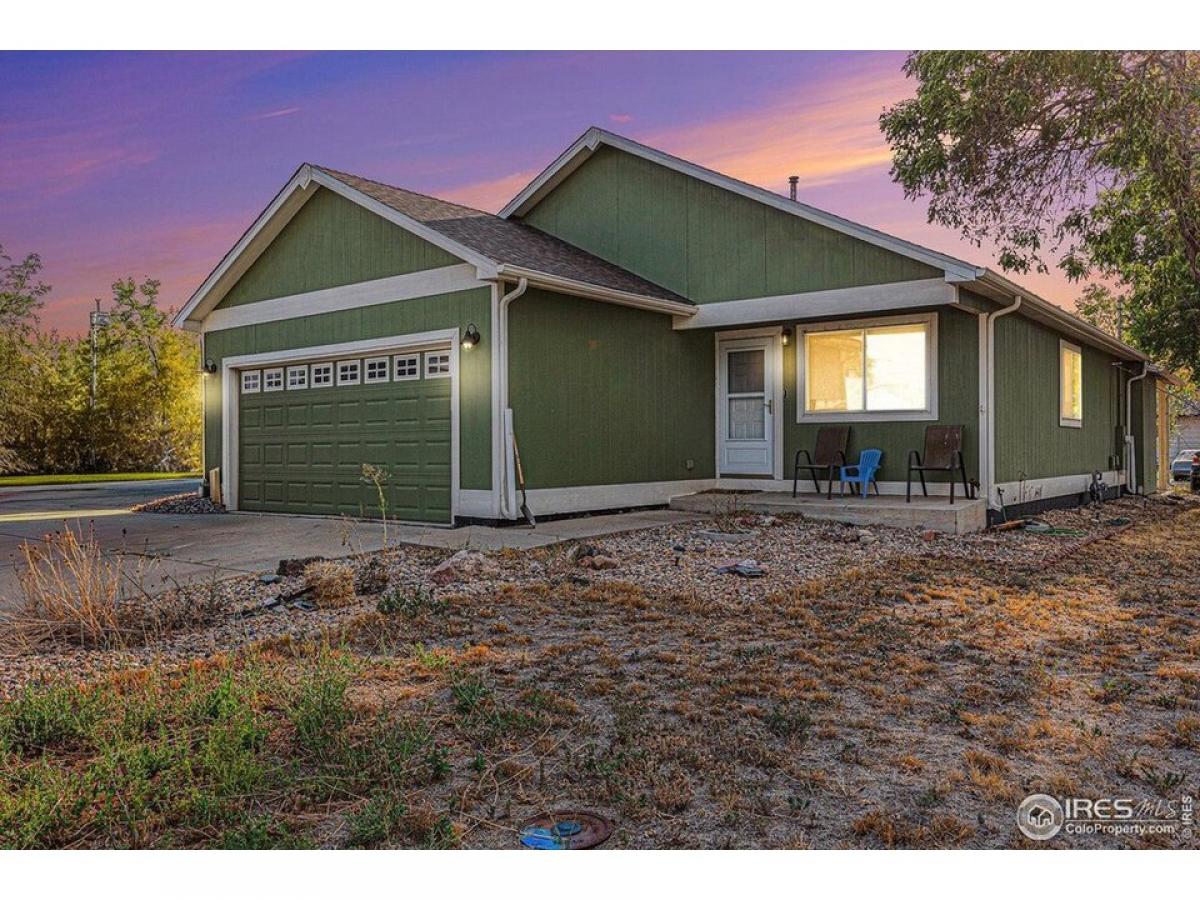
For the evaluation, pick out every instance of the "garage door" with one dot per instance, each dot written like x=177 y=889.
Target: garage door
x=306 y=429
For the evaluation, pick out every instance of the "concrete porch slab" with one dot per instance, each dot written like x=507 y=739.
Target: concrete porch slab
x=934 y=513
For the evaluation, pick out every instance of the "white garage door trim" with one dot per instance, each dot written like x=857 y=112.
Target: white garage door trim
x=230 y=394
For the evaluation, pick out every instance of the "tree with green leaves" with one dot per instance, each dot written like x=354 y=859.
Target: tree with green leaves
x=147 y=414
x=1085 y=160
x=21 y=293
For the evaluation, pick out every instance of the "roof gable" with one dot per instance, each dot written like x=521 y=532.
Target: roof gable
x=499 y=249
x=331 y=242
x=594 y=138
x=703 y=241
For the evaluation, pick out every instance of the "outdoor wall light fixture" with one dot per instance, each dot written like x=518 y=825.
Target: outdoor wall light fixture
x=210 y=367
x=786 y=335
x=471 y=337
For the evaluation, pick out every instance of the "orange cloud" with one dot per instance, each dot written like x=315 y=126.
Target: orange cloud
x=490 y=195
x=822 y=135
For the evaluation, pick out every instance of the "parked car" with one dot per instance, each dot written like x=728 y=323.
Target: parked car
x=1181 y=468
x=1195 y=482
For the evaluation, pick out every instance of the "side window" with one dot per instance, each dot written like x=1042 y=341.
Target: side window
x=251 y=382
x=1070 y=385
x=437 y=364
x=322 y=374
x=297 y=378
x=406 y=368
x=272 y=379
x=376 y=370
x=349 y=372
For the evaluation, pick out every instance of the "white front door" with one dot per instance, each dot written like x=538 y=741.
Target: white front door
x=746 y=406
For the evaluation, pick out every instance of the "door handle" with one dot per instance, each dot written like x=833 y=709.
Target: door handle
x=770 y=407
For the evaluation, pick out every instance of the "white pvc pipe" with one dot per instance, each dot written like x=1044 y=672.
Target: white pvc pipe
x=1130 y=445
x=508 y=493
x=988 y=466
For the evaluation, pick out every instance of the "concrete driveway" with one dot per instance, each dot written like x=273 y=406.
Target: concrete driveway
x=189 y=548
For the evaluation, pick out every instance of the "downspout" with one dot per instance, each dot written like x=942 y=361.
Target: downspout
x=508 y=497
x=988 y=466
x=1131 y=484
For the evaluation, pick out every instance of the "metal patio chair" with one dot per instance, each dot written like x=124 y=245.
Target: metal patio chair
x=828 y=457
x=943 y=453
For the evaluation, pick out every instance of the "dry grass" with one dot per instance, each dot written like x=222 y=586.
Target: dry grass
x=906 y=705
x=73 y=594
x=331 y=583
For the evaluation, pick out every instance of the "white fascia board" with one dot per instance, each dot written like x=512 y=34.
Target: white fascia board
x=426 y=283
x=578 y=152
x=554 y=174
x=1038 y=309
x=821 y=304
x=268 y=224
x=278 y=213
x=595 y=292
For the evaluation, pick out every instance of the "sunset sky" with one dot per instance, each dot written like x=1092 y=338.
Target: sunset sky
x=154 y=164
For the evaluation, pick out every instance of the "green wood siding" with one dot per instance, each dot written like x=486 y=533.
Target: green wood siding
x=958 y=404
x=302 y=451
x=704 y=242
x=1145 y=432
x=1029 y=441
x=454 y=310
x=604 y=394
x=331 y=242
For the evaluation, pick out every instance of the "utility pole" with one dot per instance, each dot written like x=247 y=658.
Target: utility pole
x=97 y=320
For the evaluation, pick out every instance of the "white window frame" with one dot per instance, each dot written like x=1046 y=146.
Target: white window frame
x=321 y=369
x=414 y=359
x=251 y=381
x=378 y=379
x=929 y=414
x=348 y=382
x=437 y=354
x=302 y=384
x=1065 y=421
x=267 y=374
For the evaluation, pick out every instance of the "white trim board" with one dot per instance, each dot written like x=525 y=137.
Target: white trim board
x=1032 y=489
x=414 y=285
x=231 y=393
x=575 y=155
x=584 y=498
x=821 y=304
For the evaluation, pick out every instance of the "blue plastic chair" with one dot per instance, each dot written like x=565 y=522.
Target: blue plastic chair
x=862 y=474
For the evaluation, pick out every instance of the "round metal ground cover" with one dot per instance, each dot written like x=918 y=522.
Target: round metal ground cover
x=567 y=829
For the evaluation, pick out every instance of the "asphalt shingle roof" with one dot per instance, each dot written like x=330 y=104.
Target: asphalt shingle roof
x=503 y=241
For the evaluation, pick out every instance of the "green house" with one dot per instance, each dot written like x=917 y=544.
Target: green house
x=641 y=328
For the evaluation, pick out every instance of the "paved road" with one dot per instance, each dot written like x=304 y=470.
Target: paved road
x=188 y=548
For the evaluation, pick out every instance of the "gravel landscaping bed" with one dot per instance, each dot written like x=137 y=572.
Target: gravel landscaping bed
x=189 y=503
x=873 y=688
x=673 y=561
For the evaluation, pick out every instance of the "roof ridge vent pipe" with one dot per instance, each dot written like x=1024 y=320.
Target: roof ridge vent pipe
x=988 y=465
x=793 y=182
x=1131 y=484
